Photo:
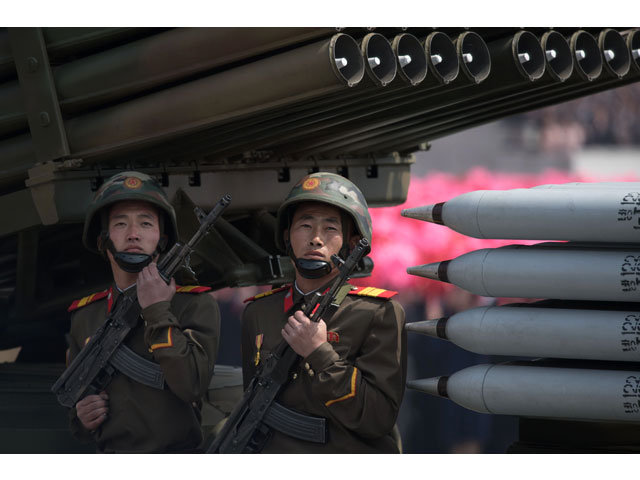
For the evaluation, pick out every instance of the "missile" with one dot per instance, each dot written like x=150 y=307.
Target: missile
x=538 y=391
x=540 y=332
x=541 y=214
x=549 y=270
x=619 y=185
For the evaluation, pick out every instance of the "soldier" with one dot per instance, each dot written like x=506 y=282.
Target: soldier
x=131 y=222
x=353 y=365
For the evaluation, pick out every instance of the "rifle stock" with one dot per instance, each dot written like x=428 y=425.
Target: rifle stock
x=245 y=431
x=91 y=370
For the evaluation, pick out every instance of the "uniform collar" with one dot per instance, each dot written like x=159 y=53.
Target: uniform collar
x=295 y=297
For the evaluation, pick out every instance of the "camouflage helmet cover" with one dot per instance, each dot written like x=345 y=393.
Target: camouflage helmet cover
x=127 y=186
x=327 y=188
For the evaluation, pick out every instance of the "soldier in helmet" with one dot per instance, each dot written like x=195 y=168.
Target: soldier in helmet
x=353 y=365
x=131 y=222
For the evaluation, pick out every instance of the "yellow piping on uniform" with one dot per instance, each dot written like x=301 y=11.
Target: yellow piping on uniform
x=168 y=343
x=352 y=393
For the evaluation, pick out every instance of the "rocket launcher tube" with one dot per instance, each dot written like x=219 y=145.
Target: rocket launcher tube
x=588 y=64
x=474 y=57
x=540 y=332
x=381 y=64
x=559 y=63
x=567 y=272
x=632 y=39
x=551 y=213
x=301 y=74
x=617 y=59
x=412 y=59
x=537 y=391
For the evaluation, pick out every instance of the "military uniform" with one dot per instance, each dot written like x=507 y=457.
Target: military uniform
x=355 y=380
x=182 y=337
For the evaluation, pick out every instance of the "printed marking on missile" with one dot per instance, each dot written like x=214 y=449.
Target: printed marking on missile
x=630 y=273
x=627 y=213
x=630 y=332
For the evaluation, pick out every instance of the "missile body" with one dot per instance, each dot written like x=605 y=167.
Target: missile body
x=536 y=391
x=541 y=332
x=566 y=272
x=608 y=214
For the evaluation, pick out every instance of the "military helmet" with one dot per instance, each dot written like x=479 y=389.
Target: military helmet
x=327 y=188
x=128 y=186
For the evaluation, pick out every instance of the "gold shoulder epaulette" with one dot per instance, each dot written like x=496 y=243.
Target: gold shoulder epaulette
x=266 y=294
x=372 y=292
x=87 y=300
x=191 y=289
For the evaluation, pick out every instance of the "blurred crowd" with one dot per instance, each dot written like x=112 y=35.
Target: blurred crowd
x=606 y=118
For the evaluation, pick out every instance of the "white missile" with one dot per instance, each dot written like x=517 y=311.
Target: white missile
x=538 y=391
x=576 y=214
x=632 y=186
x=540 y=332
x=560 y=271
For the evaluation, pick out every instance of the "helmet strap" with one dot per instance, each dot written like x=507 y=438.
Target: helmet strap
x=129 y=262
x=310 y=269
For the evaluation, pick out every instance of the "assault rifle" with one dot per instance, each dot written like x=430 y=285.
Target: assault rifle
x=96 y=364
x=252 y=421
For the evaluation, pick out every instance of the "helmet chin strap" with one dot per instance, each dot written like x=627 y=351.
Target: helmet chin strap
x=130 y=262
x=310 y=269
x=314 y=269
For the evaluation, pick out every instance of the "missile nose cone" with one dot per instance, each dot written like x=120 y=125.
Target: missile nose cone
x=436 y=386
x=419 y=213
x=425 y=327
x=429 y=270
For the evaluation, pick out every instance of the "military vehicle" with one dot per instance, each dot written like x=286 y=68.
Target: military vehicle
x=243 y=111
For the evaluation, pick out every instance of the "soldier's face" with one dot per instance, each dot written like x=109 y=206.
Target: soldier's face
x=134 y=227
x=316 y=231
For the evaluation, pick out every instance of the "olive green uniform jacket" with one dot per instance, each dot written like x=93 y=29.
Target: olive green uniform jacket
x=355 y=380
x=182 y=337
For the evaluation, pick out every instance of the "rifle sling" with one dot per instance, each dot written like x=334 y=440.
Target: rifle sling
x=296 y=424
x=138 y=368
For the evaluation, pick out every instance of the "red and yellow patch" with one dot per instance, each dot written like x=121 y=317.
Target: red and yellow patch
x=372 y=292
x=310 y=184
x=87 y=300
x=132 y=183
x=333 y=337
x=266 y=294
x=191 y=289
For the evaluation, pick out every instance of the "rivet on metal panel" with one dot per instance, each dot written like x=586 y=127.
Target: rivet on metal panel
x=45 y=120
x=284 y=175
x=32 y=64
x=194 y=179
x=96 y=183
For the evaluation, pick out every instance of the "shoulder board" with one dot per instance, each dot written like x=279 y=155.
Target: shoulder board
x=191 y=289
x=87 y=300
x=266 y=294
x=372 y=292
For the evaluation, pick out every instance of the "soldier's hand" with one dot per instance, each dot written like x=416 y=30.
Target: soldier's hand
x=152 y=288
x=303 y=335
x=92 y=410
